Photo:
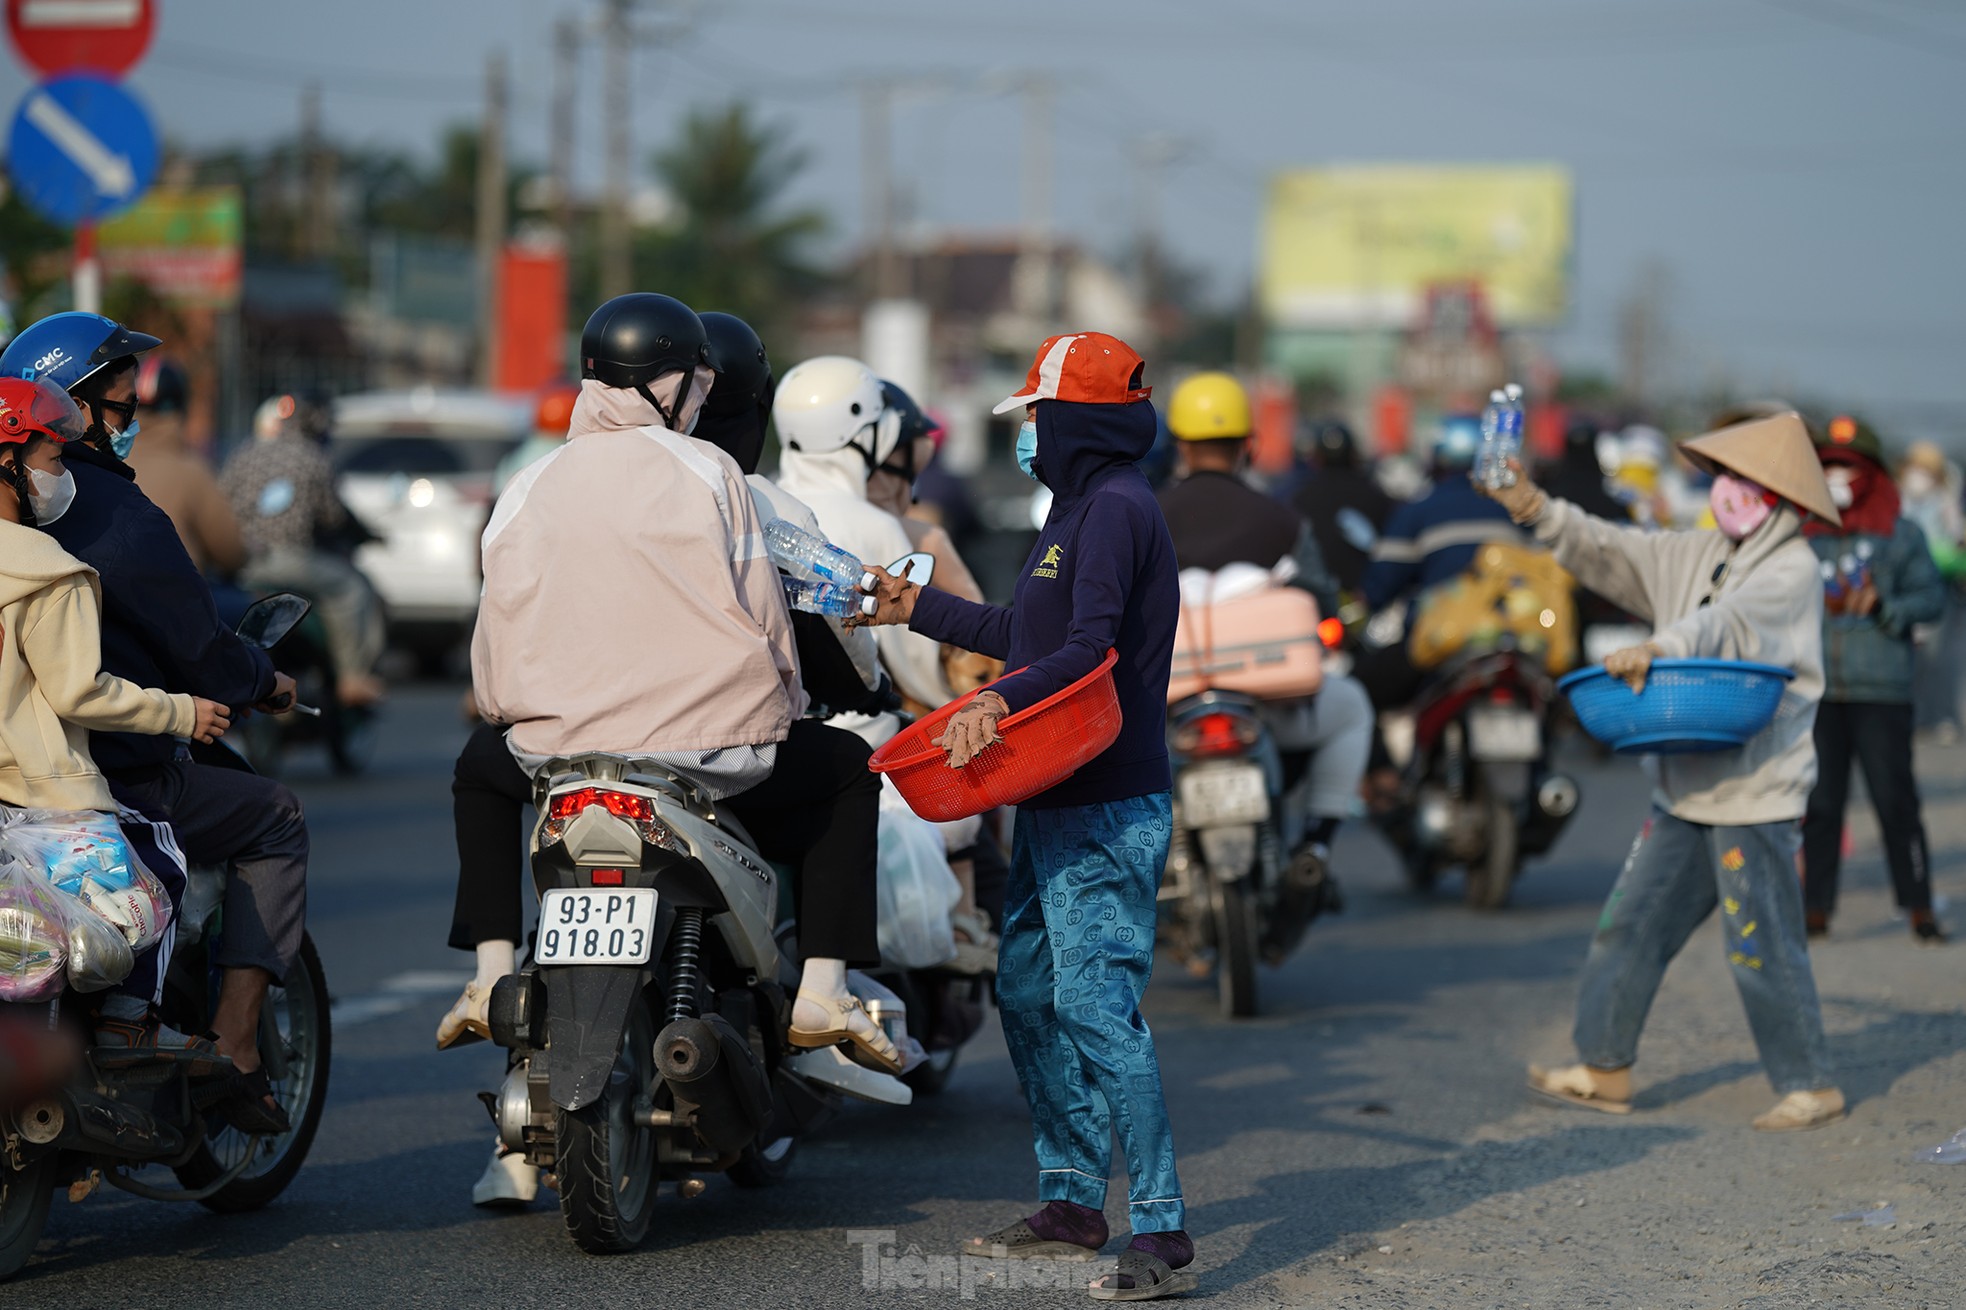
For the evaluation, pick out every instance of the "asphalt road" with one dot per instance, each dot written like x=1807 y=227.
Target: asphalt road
x=1366 y=1142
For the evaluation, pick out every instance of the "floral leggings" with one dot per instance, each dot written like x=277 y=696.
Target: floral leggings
x=1078 y=948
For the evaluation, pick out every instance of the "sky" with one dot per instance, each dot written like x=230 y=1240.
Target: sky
x=1793 y=168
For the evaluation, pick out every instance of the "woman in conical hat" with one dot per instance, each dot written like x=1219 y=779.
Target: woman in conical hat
x=1725 y=826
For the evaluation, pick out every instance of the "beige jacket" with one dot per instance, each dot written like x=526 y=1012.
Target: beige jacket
x=53 y=691
x=1767 y=606
x=629 y=605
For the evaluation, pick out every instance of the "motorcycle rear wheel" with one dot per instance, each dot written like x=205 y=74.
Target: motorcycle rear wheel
x=606 y=1161
x=1235 y=949
x=298 y=1006
x=1491 y=879
x=24 y=1199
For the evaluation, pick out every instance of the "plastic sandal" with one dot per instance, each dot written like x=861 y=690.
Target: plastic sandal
x=1020 y=1242
x=871 y=1048
x=1151 y=1279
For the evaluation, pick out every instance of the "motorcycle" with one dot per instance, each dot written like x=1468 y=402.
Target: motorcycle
x=1476 y=787
x=348 y=732
x=647 y=1031
x=114 y=1116
x=1241 y=881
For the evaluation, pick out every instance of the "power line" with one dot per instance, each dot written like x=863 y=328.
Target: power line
x=241 y=67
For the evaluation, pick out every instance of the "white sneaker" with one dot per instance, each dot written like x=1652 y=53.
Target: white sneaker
x=508 y=1181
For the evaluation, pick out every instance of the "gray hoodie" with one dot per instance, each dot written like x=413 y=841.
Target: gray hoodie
x=1712 y=598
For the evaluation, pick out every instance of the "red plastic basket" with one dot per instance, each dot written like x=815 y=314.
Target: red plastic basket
x=1041 y=747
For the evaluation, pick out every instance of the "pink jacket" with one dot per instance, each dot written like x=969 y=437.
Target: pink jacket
x=629 y=604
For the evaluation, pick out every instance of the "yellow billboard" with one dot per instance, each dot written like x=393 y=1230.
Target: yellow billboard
x=1357 y=246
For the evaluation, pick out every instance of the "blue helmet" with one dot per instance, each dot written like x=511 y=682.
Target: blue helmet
x=68 y=349
x=1458 y=443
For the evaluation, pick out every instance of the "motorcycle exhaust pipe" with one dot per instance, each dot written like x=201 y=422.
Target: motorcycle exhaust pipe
x=1557 y=797
x=716 y=1080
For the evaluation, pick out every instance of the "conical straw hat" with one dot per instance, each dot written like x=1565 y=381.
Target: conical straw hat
x=1775 y=452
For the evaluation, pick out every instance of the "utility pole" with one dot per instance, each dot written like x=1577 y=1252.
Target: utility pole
x=1151 y=156
x=1036 y=281
x=316 y=221
x=491 y=214
x=877 y=203
x=617 y=269
x=566 y=53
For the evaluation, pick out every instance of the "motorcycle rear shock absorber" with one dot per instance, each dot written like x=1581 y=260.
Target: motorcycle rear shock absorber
x=684 y=974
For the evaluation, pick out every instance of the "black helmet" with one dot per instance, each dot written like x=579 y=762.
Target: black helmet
x=634 y=339
x=915 y=424
x=735 y=416
x=1333 y=445
x=162 y=386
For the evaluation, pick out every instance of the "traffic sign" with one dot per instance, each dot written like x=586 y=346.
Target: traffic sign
x=65 y=36
x=81 y=148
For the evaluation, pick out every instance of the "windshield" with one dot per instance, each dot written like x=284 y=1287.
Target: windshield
x=419 y=454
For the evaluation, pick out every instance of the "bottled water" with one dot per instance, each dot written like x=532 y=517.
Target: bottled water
x=816 y=597
x=1501 y=437
x=814 y=559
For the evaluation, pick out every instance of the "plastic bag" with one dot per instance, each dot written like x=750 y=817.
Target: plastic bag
x=84 y=854
x=98 y=955
x=33 y=933
x=1507 y=592
x=917 y=891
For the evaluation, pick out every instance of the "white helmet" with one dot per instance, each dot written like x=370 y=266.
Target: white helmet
x=831 y=403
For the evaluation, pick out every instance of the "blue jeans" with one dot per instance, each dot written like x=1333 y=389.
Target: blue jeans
x=1676 y=874
x=1078 y=948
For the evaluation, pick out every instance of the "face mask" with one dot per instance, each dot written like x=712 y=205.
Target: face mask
x=121 y=443
x=1842 y=486
x=1027 y=448
x=49 y=496
x=1739 y=506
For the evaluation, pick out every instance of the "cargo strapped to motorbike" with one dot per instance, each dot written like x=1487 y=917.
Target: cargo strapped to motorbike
x=1240 y=631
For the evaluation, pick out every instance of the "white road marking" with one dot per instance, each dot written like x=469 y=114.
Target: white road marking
x=80 y=13
x=396 y=995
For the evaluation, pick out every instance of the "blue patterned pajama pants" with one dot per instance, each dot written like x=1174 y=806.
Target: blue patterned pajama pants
x=1078 y=948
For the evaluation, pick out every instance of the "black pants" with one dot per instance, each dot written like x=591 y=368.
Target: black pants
x=254 y=824
x=819 y=811
x=1878 y=737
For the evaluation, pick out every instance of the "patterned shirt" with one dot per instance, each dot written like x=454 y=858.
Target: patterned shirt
x=283 y=494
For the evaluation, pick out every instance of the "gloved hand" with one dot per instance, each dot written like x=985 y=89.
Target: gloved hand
x=1524 y=501
x=1632 y=664
x=973 y=730
x=894 y=600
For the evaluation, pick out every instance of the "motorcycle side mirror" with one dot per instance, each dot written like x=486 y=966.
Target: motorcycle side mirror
x=268 y=620
x=917 y=568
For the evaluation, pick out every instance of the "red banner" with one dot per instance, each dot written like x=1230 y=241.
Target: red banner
x=532 y=319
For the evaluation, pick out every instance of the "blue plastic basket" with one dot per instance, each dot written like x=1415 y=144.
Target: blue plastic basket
x=1687 y=705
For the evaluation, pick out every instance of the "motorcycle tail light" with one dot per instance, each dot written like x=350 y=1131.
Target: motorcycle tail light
x=564 y=808
x=1331 y=632
x=1215 y=734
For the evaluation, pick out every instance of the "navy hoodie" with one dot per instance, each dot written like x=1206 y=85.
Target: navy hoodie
x=1102 y=577
x=159 y=626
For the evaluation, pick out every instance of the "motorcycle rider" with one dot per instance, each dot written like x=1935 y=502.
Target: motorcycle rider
x=282 y=487
x=561 y=657
x=1724 y=830
x=56 y=690
x=178 y=479
x=160 y=628
x=1216 y=519
x=1344 y=505
x=1088 y=854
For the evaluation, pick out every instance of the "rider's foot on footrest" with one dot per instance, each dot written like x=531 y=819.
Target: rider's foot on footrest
x=121 y=1043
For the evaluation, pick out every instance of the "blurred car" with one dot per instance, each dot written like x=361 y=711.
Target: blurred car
x=416 y=468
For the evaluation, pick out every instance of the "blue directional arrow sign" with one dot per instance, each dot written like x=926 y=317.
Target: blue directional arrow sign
x=81 y=149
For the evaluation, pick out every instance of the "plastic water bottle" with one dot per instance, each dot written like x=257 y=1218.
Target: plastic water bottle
x=815 y=559
x=1856 y=570
x=816 y=597
x=1832 y=581
x=1501 y=437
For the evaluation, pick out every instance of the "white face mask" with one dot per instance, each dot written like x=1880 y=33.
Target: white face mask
x=1841 y=493
x=49 y=496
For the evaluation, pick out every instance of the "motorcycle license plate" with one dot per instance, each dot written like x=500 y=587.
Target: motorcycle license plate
x=1504 y=734
x=581 y=926
x=1215 y=796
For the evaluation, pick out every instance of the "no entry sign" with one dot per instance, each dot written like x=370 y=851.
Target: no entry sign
x=97 y=36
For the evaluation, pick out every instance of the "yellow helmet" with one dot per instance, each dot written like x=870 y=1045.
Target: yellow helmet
x=1208 y=407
